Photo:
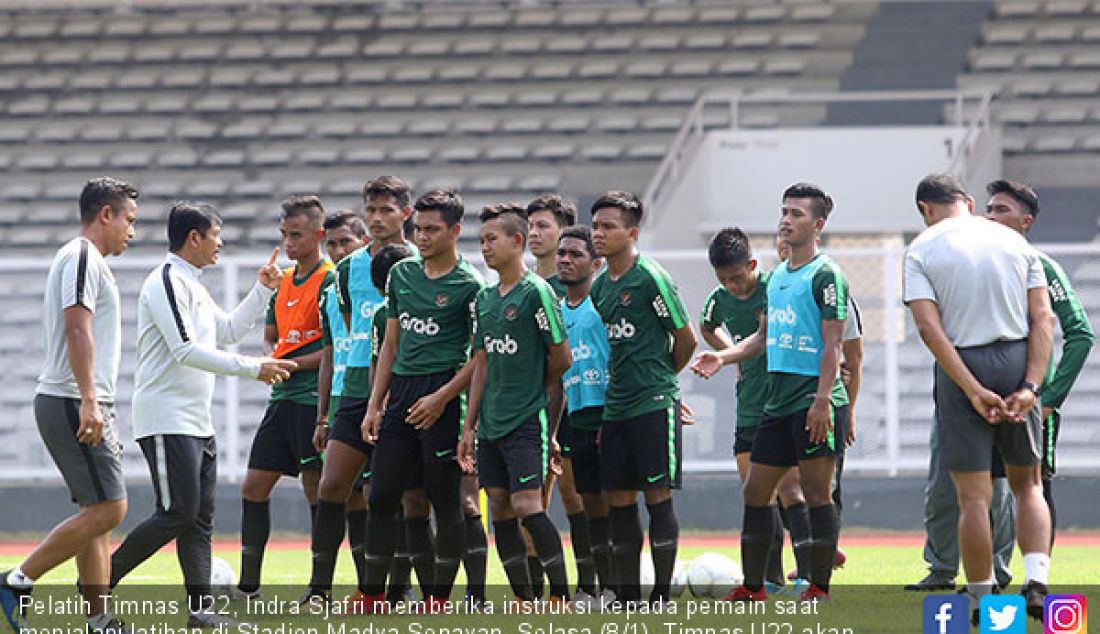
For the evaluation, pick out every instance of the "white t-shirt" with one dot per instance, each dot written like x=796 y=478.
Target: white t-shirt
x=80 y=275
x=978 y=272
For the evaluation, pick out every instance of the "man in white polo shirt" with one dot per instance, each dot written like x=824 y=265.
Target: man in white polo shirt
x=978 y=296
x=179 y=329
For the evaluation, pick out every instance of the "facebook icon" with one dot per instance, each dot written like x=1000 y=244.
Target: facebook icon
x=946 y=614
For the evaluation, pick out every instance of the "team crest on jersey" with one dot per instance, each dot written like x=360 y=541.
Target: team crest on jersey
x=511 y=312
x=624 y=298
x=441 y=300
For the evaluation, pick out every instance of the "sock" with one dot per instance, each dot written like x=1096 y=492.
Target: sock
x=664 y=540
x=400 y=565
x=18 y=579
x=798 y=520
x=1036 y=567
x=357 y=539
x=824 y=526
x=255 y=530
x=773 y=571
x=328 y=532
x=312 y=516
x=383 y=526
x=537 y=575
x=626 y=549
x=1048 y=495
x=99 y=621
x=601 y=551
x=756 y=541
x=513 y=555
x=579 y=531
x=475 y=558
x=421 y=551
x=979 y=589
x=548 y=546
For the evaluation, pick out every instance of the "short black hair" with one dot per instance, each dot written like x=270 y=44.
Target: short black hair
x=729 y=247
x=625 y=202
x=346 y=218
x=101 y=191
x=446 y=201
x=822 y=202
x=563 y=209
x=304 y=205
x=186 y=216
x=512 y=215
x=1023 y=194
x=940 y=189
x=388 y=186
x=582 y=233
x=384 y=260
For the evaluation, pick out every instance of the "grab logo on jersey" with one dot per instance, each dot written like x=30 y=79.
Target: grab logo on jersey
x=622 y=330
x=507 y=345
x=581 y=352
x=785 y=316
x=342 y=344
x=418 y=325
x=366 y=309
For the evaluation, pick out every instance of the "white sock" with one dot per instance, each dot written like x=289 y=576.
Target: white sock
x=99 y=621
x=1036 y=567
x=979 y=589
x=18 y=579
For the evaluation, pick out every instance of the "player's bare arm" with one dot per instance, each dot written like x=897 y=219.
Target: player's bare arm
x=78 y=337
x=372 y=420
x=1040 y=343
x=819 y=420
x=479 y=363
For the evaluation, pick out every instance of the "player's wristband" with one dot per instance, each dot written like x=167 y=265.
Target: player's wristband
x=1030 y=387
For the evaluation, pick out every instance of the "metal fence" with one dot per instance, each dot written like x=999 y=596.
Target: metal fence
x=893 y=412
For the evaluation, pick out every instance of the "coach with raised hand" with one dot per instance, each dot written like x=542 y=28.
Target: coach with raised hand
x=179 y=329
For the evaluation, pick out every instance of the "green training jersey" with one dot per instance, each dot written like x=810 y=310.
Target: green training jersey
x=434 y=316
x=301 y=387
x=639 y=310
x=789 y=393
x=741 y=318
x=559 y=286
x=1077 y=337
x=516 y=331
x=378 y=332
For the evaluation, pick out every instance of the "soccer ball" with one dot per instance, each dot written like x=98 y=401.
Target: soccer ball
x=713 y=576
x=222 y=575
x=679 y=579
x=646 y=574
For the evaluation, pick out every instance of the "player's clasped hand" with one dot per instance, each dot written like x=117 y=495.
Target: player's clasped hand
x=1018 y=404
x=466 y=451
x=706 y=365
x=274 y=371
x=991 y=407
x=270 y=274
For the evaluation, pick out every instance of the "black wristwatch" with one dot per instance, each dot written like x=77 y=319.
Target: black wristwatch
x=1031 y=387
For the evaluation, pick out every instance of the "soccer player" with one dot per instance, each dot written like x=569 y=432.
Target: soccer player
x=640 y=442
x=990 y=332
x=74 y=400
x=179 y=329
x=520 y=352
x=415 y=407
x=585 y=384
x=283 y=444
x=1016 y=206
x=801 y=333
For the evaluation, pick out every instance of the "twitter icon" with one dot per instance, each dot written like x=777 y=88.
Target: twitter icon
x=1003 y=614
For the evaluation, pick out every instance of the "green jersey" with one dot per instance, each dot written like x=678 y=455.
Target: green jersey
x=639 y=310
x=787 y=392
x=301 y=387
x=741 y=317
x=378 y=331
x=516 y=331
x=434 y=316
x=559 y=286
x=1077 y=337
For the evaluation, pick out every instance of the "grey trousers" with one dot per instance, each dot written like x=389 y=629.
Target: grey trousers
x=941 y=521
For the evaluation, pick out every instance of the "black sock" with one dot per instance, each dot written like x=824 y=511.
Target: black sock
x=255 y=530
x=328 y=532
x=475 y=558
x=774 y=570
x=312 y=517
x=421 y=551
x=513 y=555
x=357 y=539
x=601 y=551
x=383 y=525
x=798 y=521
x=582 y=552
x=824 y=526
x=664 y=541
x=400 y=565
x=626 y=548
x=1048 y=495
x=756 y=541
x=537 y=575
x=548 y=546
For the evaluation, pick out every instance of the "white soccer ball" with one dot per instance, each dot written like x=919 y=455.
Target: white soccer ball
x=222 y=575
x=679 y=578
x=713 y=576
x=646 y=574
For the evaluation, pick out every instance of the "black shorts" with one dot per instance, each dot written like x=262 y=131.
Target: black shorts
x=586 y=460
x=644 y=452
x=1051 y=424
x=565 y=436
x=347 y=425
x=284 y=441
x=743 y=438
x=784 y=441
x=518 y=460
x=405 y=447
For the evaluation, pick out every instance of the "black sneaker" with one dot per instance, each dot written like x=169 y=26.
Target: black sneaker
x=932 y=583
x=315 y=601
x=9 y=603
x=113 y=626
x=1034 y=594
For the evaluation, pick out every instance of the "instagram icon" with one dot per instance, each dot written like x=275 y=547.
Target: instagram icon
x=1065 y=614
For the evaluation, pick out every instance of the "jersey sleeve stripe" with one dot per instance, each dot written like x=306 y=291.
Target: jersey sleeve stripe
x=81 y=272
x=166 y=277
x=549 y=301
x=855 y=311
x=679 y=320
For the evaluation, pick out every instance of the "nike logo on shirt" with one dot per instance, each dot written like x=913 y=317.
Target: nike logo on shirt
x=292 y=302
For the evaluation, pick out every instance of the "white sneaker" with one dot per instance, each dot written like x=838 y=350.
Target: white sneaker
x=584 y=602
x=607 y=598
x=211 y=619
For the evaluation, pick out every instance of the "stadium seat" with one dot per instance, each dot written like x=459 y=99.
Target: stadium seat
x=490 y=99
x=582 y=98
x=305 y=102
x=1042 y=61
x=611 y=44
x=120 y=105
x=249 y=189
x=305 y=24
x=103 y=133
x=230 y=77
x=617 y=124
x=200 y=53
x=337 y=129
x=338 y=49
x=396 y=101
x=662 y=123
x=74 y=106
x=46 y=82
x=245 y=52
x=764 y=13
x=224 y=158
x=690 y=69
x=64 y=56
x=413 y=75
x=460 y=154
x=598 y=70
x=535 y=18
x=352 y=100
x=383 y=49
x=677 y=96
x=1087 y=61
x=602 y=152
x=38 y=162
x=56 y=133
x=380 y=128
x=582 y=18
x=443 y=21
x=705 y=41
x=813 y=12
x=427 y=128
x=353 y=23
x=247 y=130
x=659 y=43
x=505 y=153
x=261 y=24
x=490 y=184
x=645 y=70
x=443 y=101
x=369 y=74
x=428 y=48
x=1052 y=144
x=544 y=72
x=536 y=99
x=208 y=188
x=411 y=155
x=539 y=183
x=74 y=29
x=92 y=81
x=270 y=157
x=493 y=19
x=505 y=72
x=178 y=159
x=569 y=125
x=647 y=151
x=364 y=156
x=474 y=47
x=318 y=156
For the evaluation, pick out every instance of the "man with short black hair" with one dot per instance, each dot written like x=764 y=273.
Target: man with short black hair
x=179 y=329
x=74 y=401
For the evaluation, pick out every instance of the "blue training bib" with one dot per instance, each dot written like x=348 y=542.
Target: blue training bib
x=794 y=342
x=585 y=382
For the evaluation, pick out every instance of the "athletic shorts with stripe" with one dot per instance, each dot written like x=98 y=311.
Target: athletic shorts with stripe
x=347 y=426
x=92 y=473
x=518 y=460
x=284 y=440
x=784 y=441
x=565 y=436
x=644 y=452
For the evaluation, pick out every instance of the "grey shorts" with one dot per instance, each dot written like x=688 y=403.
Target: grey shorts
x=966 y=439
x=93 y=474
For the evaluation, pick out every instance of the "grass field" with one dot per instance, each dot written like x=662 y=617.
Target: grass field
x=867 y=594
